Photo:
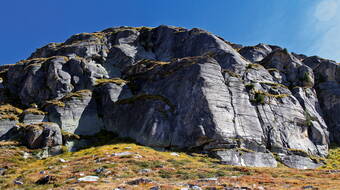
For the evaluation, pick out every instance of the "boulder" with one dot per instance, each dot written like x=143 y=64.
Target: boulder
x=6 y=125
x=76 y=113
x=42 y=135
x=255 y=53
x=244 y=158
x=298 y=162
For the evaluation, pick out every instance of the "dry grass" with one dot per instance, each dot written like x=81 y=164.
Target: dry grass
x=9 y=143
x=167 y=170
x=34 y=111
x=9 y=116
x=274 y=84
x=55 y=102
x=7 y=108
x=78 y=94
x=117 y=81
x=270 y=95
x=231 y=73
x=254 y=66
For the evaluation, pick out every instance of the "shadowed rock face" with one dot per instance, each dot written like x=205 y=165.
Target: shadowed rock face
x=170 y=87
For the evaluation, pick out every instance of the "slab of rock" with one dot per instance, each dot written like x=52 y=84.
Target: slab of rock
x=2 y=171
x=6 y=125
x=299 y=162
x=119 y=154
x=45 y=180
x=31 y=118
x=240 y=158
x=43 y=135
x=139 y=181
x=78 y=115
x=88 y=179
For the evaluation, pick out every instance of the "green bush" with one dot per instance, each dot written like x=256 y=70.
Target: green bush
x=260 y=98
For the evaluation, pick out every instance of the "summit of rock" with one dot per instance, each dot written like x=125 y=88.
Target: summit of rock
x=175 y=88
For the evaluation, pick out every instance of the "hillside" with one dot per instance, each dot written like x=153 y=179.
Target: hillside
x=173 y=90
x=146 y=168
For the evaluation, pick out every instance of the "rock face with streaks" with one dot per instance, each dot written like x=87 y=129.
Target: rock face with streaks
x=174 y=88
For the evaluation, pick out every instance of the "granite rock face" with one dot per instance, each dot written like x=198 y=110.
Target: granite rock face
x=43 y=135
x=327 y=74
x=240 y=158
x=76 y=113
x=174 y=88
x=6 y=125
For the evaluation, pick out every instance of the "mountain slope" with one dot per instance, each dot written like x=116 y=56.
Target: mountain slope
x=174 y=88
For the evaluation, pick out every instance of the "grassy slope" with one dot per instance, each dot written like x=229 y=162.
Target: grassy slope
x=167 y=170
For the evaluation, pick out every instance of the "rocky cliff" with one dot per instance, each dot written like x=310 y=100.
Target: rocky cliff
x=174 y=88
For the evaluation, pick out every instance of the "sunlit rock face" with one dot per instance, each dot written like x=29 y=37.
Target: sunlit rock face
x=174 y=88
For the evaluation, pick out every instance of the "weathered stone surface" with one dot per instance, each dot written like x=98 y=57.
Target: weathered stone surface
x=241 y=158
x=30 y=118
x=299 y=162
x=43 y=135
x=78 y=114
x=255 y=53
x=327 y=74
x=6 y=125
x=40 y=79
x=184 y=89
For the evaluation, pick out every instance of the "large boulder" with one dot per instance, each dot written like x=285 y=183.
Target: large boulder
x=40 y=79
x=43 y=135
x=256 y=53
x=246 y=158
x=76 y=113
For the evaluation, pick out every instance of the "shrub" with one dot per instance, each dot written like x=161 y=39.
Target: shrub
x=259 y=98
x=165 y=173
x=309 y=119
x=249 y=86
x=307 y=80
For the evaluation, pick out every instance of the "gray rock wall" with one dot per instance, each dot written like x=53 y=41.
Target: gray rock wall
x=176 y=88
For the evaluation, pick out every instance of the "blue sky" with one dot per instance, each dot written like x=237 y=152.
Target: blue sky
x=311 y=27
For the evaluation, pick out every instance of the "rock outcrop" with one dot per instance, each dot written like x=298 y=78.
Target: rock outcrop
x=175 y=88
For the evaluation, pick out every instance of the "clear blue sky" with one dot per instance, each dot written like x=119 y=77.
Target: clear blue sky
x=303 y=26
